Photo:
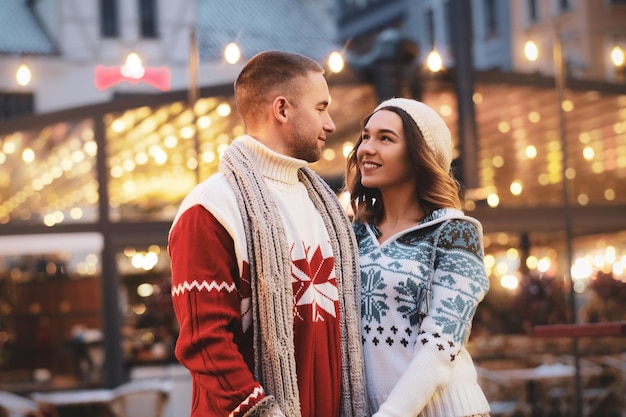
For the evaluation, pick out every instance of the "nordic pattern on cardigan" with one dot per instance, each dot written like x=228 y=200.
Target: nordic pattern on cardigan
x=441 y=345
x=416 y=363
x=454 y=313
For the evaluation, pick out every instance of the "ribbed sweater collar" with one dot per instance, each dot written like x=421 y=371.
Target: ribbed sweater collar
x=273 y=166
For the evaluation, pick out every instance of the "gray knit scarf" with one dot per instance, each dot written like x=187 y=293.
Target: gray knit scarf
x=272 y=292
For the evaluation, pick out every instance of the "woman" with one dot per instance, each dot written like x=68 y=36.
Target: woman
x=411 y=231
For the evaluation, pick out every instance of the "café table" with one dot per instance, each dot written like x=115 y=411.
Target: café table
x=578 y=330
x=541 y=372
x=14 y=405
x=74 y=403
x=552 y=374
x=152 y=393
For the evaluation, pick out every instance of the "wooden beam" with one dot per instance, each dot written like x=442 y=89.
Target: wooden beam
x=615 y=328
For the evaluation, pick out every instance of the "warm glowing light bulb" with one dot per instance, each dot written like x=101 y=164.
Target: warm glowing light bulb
x=530 y=151
x=617 y=56
x=544 y=264
x=328 y=154
x=346 y=148
x=434 y=61
x=23 y=75
x=531 y=51
x=493 y=200
x=232 y=53
x=28 y=155
x=335 y=62
x=509 y=282
x=516 y=187
x=133 y=68
x=223 y=109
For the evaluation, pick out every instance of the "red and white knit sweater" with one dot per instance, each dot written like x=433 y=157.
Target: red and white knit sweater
x=211 y=294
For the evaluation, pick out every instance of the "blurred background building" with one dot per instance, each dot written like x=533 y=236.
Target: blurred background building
x=111 y=111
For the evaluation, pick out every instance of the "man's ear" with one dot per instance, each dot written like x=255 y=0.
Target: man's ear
x=280 y=107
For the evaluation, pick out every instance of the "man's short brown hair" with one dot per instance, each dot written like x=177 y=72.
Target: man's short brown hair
x=266 y=75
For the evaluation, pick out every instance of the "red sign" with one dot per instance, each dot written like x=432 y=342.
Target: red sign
x=134 y=73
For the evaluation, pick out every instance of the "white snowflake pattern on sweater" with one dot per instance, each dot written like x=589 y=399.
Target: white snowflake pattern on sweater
x=418 y=364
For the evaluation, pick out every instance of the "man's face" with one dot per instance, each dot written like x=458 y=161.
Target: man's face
x=310 y=121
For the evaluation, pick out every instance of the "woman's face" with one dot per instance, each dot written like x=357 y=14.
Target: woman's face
x=382 y=156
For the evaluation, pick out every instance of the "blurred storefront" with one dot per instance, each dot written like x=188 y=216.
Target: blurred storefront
x=88 y=195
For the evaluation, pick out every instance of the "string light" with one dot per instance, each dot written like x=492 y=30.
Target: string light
x=23 y=75
x=232 y=53
x=531 y=51
x=617 y=56
x=336 y=62
x=434 y=61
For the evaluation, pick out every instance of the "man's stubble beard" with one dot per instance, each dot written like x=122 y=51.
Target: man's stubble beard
x=305 y=147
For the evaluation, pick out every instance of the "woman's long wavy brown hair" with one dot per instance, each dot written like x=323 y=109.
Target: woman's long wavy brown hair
x=435 y=189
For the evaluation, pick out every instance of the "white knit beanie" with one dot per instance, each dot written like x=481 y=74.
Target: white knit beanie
x=432 y=126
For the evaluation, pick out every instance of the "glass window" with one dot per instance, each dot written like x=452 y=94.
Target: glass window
x=109 y=20
x=491 y=17
x=48 y=175
x=532 y=11
x=528 y=271
x=150 y=328
x=50 y=310
x=148 y=18
x=430 y=27
x=447 y=10
x=16 y=104
x=560 y=6
x=355 y=4
x=152 y=155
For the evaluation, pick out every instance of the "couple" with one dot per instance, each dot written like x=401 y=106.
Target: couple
x=268 y=279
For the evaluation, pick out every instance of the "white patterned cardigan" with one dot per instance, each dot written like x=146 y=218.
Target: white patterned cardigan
x=418 y=365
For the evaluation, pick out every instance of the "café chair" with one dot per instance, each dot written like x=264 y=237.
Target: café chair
x=136 y=398
x=506 y=399
x=13 y=405
x=594 y=391
x=616 y=366
x=141 y=398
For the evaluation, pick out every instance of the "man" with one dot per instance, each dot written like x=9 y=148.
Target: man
x=264 y=267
